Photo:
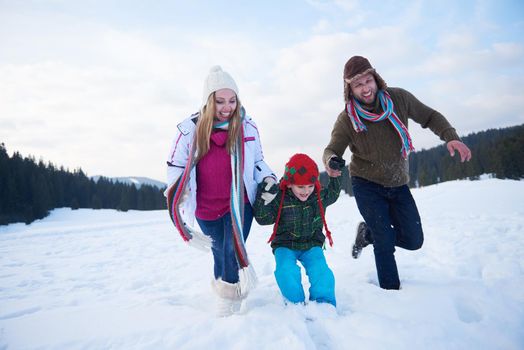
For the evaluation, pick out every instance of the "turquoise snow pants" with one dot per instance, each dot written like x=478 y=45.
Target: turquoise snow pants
x=289 y=278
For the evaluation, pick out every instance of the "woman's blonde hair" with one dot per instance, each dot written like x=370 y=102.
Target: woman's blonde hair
x=205 y=126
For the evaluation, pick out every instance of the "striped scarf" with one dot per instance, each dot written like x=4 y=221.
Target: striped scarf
x=175 y=198
x=355 y=111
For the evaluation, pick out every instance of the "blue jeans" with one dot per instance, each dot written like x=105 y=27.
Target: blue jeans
x=288 y=275
x=221 y=231
x=393 y=219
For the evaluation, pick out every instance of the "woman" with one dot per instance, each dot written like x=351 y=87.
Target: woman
x=214 y=166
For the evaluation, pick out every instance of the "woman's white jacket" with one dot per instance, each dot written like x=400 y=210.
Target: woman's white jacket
x=255 y=168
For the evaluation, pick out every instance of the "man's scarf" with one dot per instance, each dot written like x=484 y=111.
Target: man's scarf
x=176 y=196
x=355 y=111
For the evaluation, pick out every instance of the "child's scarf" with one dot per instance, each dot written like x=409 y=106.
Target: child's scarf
x=247 y=275
x=355 y=111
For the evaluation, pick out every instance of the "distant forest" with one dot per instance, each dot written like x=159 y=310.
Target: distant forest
x=30 y=189
x=499 y=152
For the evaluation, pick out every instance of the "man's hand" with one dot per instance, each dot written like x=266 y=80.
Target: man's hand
x=270 y=190
x=336 y=163
x=462 y=149
x=334 y=166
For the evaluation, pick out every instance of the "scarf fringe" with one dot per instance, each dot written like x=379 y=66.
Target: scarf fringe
x=192 y=236
x=247 y=279
x=200 y=241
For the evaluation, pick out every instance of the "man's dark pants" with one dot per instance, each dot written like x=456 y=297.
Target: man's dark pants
x=393 y=219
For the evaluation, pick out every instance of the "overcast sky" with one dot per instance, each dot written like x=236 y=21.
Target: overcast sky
x=101 y=85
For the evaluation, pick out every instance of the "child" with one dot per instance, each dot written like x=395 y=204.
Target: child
x=296 y=207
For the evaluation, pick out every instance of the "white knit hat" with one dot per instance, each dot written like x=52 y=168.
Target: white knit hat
x=217 y=79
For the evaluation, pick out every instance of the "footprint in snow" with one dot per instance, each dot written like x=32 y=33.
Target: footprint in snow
x=467 y=311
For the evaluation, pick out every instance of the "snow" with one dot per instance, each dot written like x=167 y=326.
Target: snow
x=100 y=279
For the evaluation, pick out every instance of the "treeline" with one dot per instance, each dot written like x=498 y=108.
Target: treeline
x=30 y=189
x=499 y=152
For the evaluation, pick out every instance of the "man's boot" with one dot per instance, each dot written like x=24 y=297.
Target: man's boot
x=360 y=240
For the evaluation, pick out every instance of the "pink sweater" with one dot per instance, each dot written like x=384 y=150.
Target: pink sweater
x=213 y=176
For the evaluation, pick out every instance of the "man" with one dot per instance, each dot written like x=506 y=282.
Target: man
x=374 y=127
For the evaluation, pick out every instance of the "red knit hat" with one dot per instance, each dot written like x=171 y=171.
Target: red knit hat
x=301 y=170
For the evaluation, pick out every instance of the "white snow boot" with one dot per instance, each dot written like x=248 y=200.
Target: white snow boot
x=229 y=299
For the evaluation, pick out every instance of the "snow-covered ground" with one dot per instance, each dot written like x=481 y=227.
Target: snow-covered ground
x=101 y=279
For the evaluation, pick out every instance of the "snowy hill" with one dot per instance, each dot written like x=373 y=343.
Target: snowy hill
x=100 y=279
x=136 y=180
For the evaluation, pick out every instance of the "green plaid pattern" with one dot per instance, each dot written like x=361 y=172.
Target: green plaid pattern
x=300 y=225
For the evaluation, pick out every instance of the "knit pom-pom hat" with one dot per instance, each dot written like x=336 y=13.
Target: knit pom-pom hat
x=356 y=67
x=301 y=170
x=217 y=79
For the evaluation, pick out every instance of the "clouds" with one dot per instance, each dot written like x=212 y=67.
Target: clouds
x=477 y=86
x=92 y=89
